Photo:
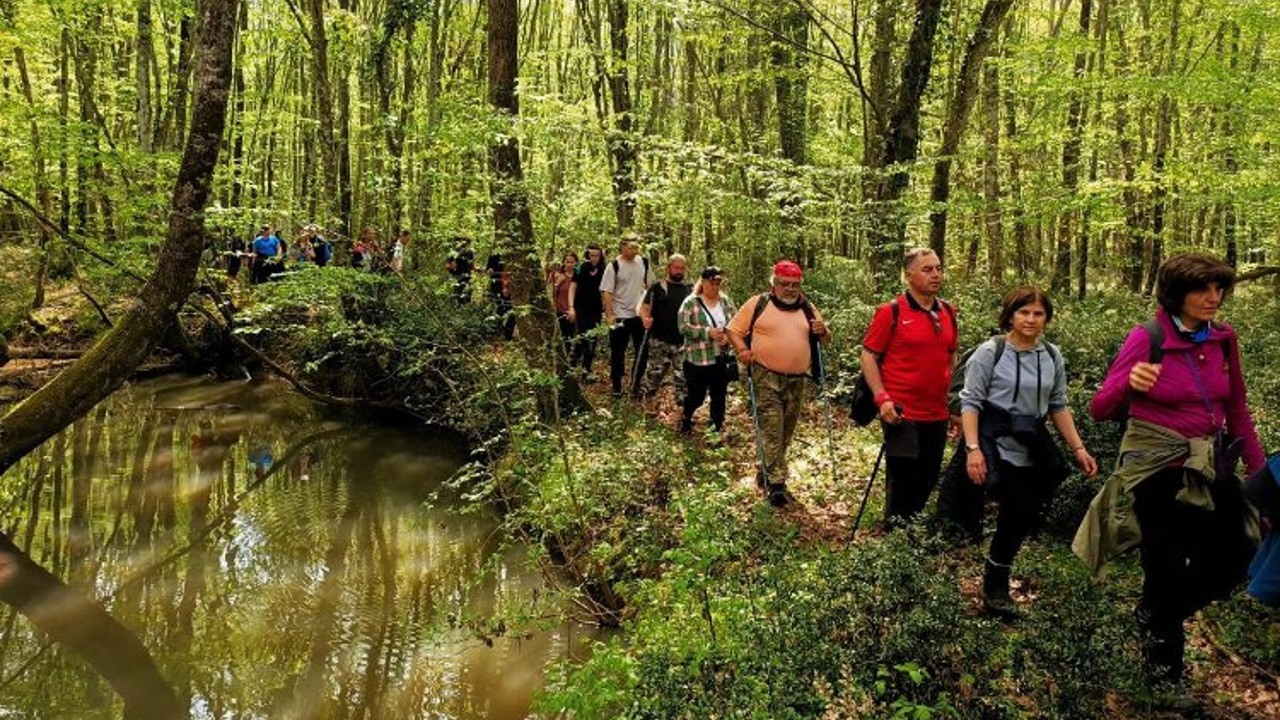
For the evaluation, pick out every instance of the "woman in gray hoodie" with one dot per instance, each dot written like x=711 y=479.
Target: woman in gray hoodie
x=1014 y=382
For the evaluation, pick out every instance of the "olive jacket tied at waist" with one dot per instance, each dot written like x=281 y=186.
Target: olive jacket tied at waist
x=1111 y=528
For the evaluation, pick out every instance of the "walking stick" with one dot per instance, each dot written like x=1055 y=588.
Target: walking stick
x=865 y=494
x=635 y=367
x=826 y=406
x=755 y=418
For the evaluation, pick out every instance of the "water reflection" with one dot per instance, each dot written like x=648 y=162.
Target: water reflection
x=275 y=564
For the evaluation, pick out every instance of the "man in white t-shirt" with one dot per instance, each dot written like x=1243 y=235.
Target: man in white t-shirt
x=625 y=280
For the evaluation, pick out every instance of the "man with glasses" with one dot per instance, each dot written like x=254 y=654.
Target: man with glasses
x=907 y=357
x=775 y=336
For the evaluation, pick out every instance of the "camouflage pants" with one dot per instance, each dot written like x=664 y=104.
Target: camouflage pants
x=778 y=402
x=663 y=356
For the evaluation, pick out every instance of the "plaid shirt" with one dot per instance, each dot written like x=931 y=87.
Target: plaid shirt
x=699 y=348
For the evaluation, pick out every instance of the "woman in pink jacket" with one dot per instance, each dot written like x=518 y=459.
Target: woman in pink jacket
x=1177 y=380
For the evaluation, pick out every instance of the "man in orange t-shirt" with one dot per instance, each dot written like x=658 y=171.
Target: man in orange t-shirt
x=907 y=357
x=777 y=346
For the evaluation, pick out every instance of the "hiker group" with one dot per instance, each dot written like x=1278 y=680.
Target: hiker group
x=270 y=257
x=1176 y=382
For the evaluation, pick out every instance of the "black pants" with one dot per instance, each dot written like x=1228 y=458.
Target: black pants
x=913 y=460
x=699 y=379
x=1018 y=498
x=585 y=349
x=567 y=329
x=624 y=332
x=506 y=316
x=1190 y=557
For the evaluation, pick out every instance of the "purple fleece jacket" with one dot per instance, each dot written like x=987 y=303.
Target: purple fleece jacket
x=1176 y=401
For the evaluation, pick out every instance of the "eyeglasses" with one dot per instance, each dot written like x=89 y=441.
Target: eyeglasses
x=937 y=322
x=788 y=284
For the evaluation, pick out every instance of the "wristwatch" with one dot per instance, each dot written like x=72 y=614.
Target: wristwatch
x=970 y=447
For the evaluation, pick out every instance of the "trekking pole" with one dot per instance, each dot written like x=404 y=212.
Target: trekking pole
x=865 y=495
x=635 y=368
x=826 y=407
x=755 y=419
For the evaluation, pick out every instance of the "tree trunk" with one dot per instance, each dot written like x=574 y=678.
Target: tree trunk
x=513 y=225
x=791 y=82
x=622 y=146
x=44 y=195
x=324 y=111
x=791 y=93
x=991 y=173
x=958 y=111
x=888 y=230
x=143 y=60
x=1071 y=157
x=1164 y=124
x=81 y=625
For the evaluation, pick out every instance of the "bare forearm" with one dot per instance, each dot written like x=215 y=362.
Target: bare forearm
x=1066 y=425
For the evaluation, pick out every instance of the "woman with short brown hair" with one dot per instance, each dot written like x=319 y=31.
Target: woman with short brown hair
x=1177 y=381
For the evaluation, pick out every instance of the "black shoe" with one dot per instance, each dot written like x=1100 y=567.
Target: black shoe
x=779 y=496
x=995 y=592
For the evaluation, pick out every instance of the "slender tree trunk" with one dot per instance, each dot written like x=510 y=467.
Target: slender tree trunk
x=958 y=111
x=143 y=58
x=176 y=117
x=324 y=111
x=622 y=145
x=991 y=172
x=512 y=222
x=64 y=136
x=44 y=195
x=1071 y=156
x=1129 y=192
x=902 y=143
x=1164 y=123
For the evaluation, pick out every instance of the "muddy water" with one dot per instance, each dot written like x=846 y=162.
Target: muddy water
x=274 y=564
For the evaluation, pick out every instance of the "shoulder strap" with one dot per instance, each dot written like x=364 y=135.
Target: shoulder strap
x=710 y=318
x=762 y=301
x=616 y=268
x=894 y=310
x=1001 y=341
x=1055 y=355
x=1155 y=340
x=951 y=310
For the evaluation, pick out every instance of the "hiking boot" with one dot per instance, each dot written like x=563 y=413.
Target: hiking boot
x=778 y=496
x=760 y=484
x=686 y=427
x=995 y=592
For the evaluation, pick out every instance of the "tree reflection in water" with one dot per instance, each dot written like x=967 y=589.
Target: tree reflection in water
x=319 y=582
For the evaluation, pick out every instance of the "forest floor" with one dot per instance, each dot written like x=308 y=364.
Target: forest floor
x=829 y=472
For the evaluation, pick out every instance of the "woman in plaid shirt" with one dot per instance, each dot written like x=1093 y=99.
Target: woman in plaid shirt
x=707 y=355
